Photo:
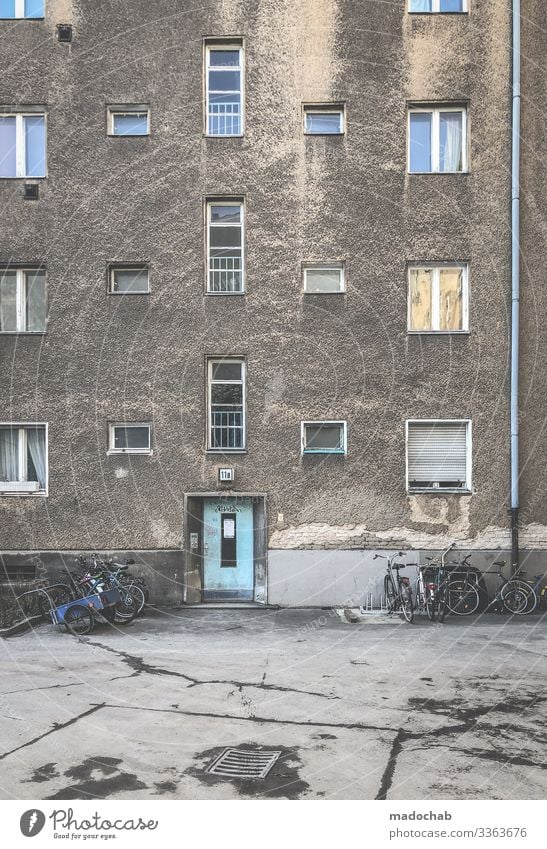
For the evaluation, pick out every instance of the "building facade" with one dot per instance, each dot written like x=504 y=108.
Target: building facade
x=256 y=278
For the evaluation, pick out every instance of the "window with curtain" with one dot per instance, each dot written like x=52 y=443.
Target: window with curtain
x=437 y=298
x=131 y=120
x=437 y=139
x=23 y=145
x=23 y=458
x=438 y=455
x=23 y=304
x=129 y=280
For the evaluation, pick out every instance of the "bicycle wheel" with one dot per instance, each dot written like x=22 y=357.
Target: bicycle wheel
x=442 y=609
x=125 y=609
x=463 y=599
x=405 y=599
x=430 y=604
x=533 y=600
x=79 y=620
x=137 y=593
x=390 y=594
x=515 y=595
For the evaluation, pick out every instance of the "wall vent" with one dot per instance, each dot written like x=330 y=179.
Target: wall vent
x=30 y=191
x=64 y=33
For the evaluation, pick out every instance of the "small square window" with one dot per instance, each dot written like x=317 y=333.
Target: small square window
x=437 y=140
x=128 y=120
x=437 y=298
x=323 y=278
x=324 y=120
x=23 y=459
x=324 y=438
x=129 y=438
x=129 y=280
x=438 y=455
x=23 y=302
x=23 y=145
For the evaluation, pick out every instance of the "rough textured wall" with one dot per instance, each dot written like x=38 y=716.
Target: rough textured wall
x=307 y=198
x=533 y=289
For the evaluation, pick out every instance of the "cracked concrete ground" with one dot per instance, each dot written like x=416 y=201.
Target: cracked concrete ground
x=453 y=711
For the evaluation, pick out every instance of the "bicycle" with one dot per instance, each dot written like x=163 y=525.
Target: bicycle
x=512 y=594
x=463 y=595
x=538 y=597
x=425 y=590
x=437 y=596
x=396 y=588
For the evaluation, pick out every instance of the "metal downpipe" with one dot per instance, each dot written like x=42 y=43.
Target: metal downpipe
x=515 y=283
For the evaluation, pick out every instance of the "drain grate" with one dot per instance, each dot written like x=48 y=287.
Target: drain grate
x=240 y=763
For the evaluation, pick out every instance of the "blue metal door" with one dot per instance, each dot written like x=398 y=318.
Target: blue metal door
x=228 y=563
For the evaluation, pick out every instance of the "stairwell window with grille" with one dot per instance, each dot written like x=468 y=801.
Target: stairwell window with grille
x=226 y=405
x=23 y=459
x=438 y=455
x=225 y=247
x=438 y=298
x=224 y=89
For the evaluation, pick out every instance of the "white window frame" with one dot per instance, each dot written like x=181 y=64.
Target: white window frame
x=20 y=13
x=435 y=110
x=111 y=438
x=18 y=487
x=436 y=268
x=20 y=144
x=121 y=266
x=211 y=361
x=321 y=109
x=335 y=451
x=324 y=266
x=436 y=9
x=210 y=203
x=464 y=490
x=211 y=46
x=128 y=109
x=21 y=283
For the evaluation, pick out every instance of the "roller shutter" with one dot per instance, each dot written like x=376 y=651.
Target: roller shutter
x=437 y=454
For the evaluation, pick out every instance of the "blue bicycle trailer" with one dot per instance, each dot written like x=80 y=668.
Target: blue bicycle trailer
x=78 y=614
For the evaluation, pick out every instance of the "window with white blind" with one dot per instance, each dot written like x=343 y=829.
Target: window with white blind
x=438 y=455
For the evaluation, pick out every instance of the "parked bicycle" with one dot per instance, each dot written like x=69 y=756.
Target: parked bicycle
x=397 y=588
x=513 y=594
x=463 y=592
x=437 y=590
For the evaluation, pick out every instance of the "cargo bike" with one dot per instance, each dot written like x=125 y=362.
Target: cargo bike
x=62 y=607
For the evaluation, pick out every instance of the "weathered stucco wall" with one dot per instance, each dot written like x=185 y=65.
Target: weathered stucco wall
x=344 y=357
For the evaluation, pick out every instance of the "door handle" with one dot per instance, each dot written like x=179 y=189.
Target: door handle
x=205 y=546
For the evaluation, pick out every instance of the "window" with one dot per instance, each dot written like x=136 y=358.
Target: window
x=23 y=459
x=437 y=140
x=22 y=145
x=439 y=455
x=129 y=280
x=429 y=6
x=437 y=298
x=324 y=120
x=128 y=121
x=224 y=89
x=226 y=404
x=129 y=438
x=23 y=305
x=225 y=246
x=22 y=8
x=323 y=278
x=324 y=438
